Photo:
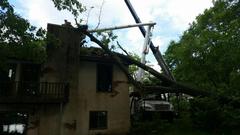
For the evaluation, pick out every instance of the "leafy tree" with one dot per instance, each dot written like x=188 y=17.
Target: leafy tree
x=73 y=6
x=18 y=38
x=208 y=53
x=108 y=38
x=208 y=56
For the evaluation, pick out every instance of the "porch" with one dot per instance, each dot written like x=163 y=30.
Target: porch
x=18 y=92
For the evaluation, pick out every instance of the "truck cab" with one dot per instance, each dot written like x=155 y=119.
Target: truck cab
x=153 y=105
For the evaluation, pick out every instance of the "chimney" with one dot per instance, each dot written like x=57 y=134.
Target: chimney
x=63 y=50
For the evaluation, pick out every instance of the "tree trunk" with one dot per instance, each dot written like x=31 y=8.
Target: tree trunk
x=175 y=86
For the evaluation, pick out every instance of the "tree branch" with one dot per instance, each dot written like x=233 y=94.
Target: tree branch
x=178 y=87
x=182 y=88
x=122 y=49
x=117 y=59
x=100 y=13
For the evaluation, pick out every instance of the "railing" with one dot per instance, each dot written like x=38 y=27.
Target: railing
x=39 y=92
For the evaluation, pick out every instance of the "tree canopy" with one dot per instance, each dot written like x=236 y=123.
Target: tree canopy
x=208 y=53
x=73 y=6
x=18 y=38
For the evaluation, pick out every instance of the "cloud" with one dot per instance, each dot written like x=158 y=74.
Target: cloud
x=172 y=17
x=114 y=12
x=41 y=12
x=179 y=13
x=183 y=12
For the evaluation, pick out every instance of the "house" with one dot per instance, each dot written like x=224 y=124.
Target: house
x=77 y=91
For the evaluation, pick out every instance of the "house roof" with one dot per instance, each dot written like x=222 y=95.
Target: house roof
x=96 y=55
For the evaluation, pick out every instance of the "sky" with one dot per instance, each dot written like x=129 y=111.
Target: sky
x=173 y=17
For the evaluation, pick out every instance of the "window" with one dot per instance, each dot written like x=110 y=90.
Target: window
x=104 y=77
x=98 y=120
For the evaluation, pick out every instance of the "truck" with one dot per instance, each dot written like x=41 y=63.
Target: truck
x=154 y=106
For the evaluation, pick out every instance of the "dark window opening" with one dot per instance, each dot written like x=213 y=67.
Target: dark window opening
x=98 y=120
x=30 y=74
x=104 y=77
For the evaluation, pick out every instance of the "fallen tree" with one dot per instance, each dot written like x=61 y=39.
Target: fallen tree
x=174 y=86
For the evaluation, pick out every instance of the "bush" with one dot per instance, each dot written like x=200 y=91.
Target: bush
x=208 y=114
x=155 y=126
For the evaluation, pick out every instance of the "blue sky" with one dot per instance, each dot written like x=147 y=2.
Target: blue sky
x=172 y=18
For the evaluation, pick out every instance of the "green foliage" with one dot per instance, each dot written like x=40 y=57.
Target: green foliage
x=152 y=80
x=207 y=114
x=19 y=39
x=74 y=6
x=108 y=38
x=181 y=105
x=208 y=55
x=157 y=126
x=133 y=68
x=208 y=52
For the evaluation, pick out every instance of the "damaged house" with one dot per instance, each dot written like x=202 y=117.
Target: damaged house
x=77 y=91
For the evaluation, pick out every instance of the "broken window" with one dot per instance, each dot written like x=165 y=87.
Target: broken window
x=104 y=77
x=98 y=120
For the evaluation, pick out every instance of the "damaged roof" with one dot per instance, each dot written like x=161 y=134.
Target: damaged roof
x=96 y=55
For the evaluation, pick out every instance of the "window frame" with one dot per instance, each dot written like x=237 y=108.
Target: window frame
x=111 y=68
x=97 y=120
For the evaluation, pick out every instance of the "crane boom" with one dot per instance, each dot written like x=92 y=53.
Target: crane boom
x=157 y=54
